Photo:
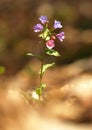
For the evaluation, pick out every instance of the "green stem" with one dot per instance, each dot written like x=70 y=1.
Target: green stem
x=41 y=75
x=42 y=63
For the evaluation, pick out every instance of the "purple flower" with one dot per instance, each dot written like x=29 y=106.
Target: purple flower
x=57 y=24
x=61 y=36
x=50 y=44
x=38 y=27
x=43 y=19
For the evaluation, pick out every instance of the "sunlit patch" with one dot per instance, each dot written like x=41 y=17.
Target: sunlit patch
x=14 y=95
x=35 y=95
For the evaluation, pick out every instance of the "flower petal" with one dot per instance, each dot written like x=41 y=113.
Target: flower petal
x=43 y=19
x=57 y=24
x=38 y=27
x=61 y=36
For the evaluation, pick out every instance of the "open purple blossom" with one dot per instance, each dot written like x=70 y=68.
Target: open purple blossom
x=46 y=33
x=57 y=24
x=50 y=44
x=38 y=27
x=43 y=19
x=61 y=36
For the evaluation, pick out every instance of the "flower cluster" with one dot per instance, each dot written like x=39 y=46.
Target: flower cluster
x=49 y=35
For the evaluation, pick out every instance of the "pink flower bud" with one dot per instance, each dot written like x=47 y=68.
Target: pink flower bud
x=53 y=37
x=50 y=44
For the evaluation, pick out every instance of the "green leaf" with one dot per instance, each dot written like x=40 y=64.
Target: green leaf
x=45 y=34
x=47 y=38
x=52 y=52
x=43 y=85
x=45 y=67
x=39 y=91
x=30 y=54
x=2 y=70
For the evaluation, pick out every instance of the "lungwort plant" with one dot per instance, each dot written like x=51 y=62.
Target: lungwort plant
x=48 y=40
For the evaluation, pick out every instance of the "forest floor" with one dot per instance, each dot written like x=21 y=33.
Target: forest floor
x=67 y=100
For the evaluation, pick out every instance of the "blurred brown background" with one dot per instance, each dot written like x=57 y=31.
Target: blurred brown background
x=17 y=18
x=69 y=85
